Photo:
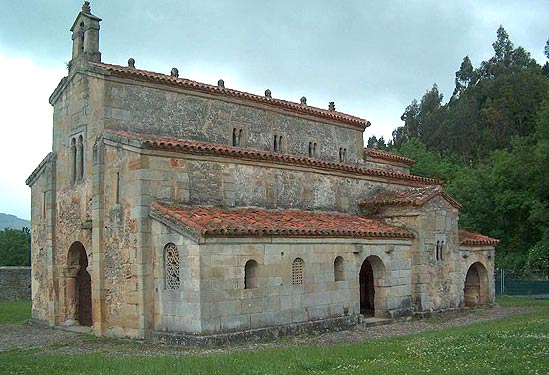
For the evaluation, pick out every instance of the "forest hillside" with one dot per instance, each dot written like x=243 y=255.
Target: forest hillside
x=490 y=143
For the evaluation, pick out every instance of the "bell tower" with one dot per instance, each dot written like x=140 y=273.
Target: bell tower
x=85 y=38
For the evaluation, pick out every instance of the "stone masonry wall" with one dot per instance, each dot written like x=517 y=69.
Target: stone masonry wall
x=186 y=115
x=224 y=305
x=176 y=310
x=15 y=283
x=436 y=284
x=232 y=184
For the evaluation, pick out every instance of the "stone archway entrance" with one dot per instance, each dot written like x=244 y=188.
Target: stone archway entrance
x=476 y=285
x=371 y=271
x=79 y=302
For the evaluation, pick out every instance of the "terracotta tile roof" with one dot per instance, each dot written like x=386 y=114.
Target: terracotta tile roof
x=475 y=239
x=378 y=154
x=409 y=197
x=207 y=221
x=148 y=76
x=207 y=148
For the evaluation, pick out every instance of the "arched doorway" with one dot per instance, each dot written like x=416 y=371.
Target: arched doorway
x=79 y=305
x=476 y=285
x=371 y=272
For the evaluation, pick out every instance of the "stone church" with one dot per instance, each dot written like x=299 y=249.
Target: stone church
x=174 y=208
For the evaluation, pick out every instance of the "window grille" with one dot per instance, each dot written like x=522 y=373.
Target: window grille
x=298 y=266
x=171 y=264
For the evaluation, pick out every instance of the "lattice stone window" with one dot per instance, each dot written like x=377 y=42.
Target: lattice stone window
x=171 y=265
x=298 y=266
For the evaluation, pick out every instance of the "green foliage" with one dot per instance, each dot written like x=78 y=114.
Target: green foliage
x=538 y=258
x=15 y=247
x=374 y=142
x=490 y=105
x=490 y=143
x=485 y=348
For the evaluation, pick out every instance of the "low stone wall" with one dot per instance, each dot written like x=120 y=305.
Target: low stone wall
x=15 y=283
x=269 y=333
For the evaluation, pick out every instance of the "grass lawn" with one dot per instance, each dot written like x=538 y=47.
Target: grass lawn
x=516 y=345
x=14 y=311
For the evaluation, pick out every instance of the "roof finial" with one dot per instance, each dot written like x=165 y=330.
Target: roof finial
x=86 y=9
x=268 y=93
x=331 y=106
x=131 y=62
x=174 y=72
x=303 y=100
x=221 y=84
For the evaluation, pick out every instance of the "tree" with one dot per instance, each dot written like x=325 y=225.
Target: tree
x=15 y=247
x=463 y=78
x=490 y=143
x=545 y=69
x=503 y=47
x=374 y=142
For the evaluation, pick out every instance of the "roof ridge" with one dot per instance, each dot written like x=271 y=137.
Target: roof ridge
x=389 y=156
x=209 y=148
x=414 y=196
x=475 y=239
x=212 y=89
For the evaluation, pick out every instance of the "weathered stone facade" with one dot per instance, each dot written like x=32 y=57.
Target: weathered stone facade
x=115 y=244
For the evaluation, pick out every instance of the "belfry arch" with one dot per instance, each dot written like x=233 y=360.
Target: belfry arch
x=78 y=287
x=371 y=279
x=475 y=290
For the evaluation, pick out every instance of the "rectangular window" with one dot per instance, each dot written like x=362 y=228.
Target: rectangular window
x=117 y=188
x=43 y=204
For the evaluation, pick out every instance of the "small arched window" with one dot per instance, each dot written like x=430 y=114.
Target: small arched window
x=80 y=153
x=72 y=161
x=298 y=268
x=251 y=274
x=310 y=149
x=339 y=269
x=82 y=36
x=171 y=266
x=438 y=250
x=277 y=143
x=235 y=137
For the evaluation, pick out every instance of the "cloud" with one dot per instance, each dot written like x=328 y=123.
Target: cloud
x=26 y=126
x=371 y=57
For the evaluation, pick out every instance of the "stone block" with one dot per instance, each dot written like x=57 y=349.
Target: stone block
x=225 y=309
x=249 y=306
x=263 y=319
x=316 y=299
x=236 y=323
x=270 y=304
x=318 y=312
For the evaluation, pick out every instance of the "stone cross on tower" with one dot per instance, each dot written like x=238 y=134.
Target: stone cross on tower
x=85 y=38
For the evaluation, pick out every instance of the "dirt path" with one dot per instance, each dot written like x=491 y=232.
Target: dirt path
x=48 y=340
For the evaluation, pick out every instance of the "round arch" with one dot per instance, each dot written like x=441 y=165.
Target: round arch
x=475 y=289
x=79 y=301
x=371 y=278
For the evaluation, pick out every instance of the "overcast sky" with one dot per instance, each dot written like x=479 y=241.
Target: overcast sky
x=371 y=57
